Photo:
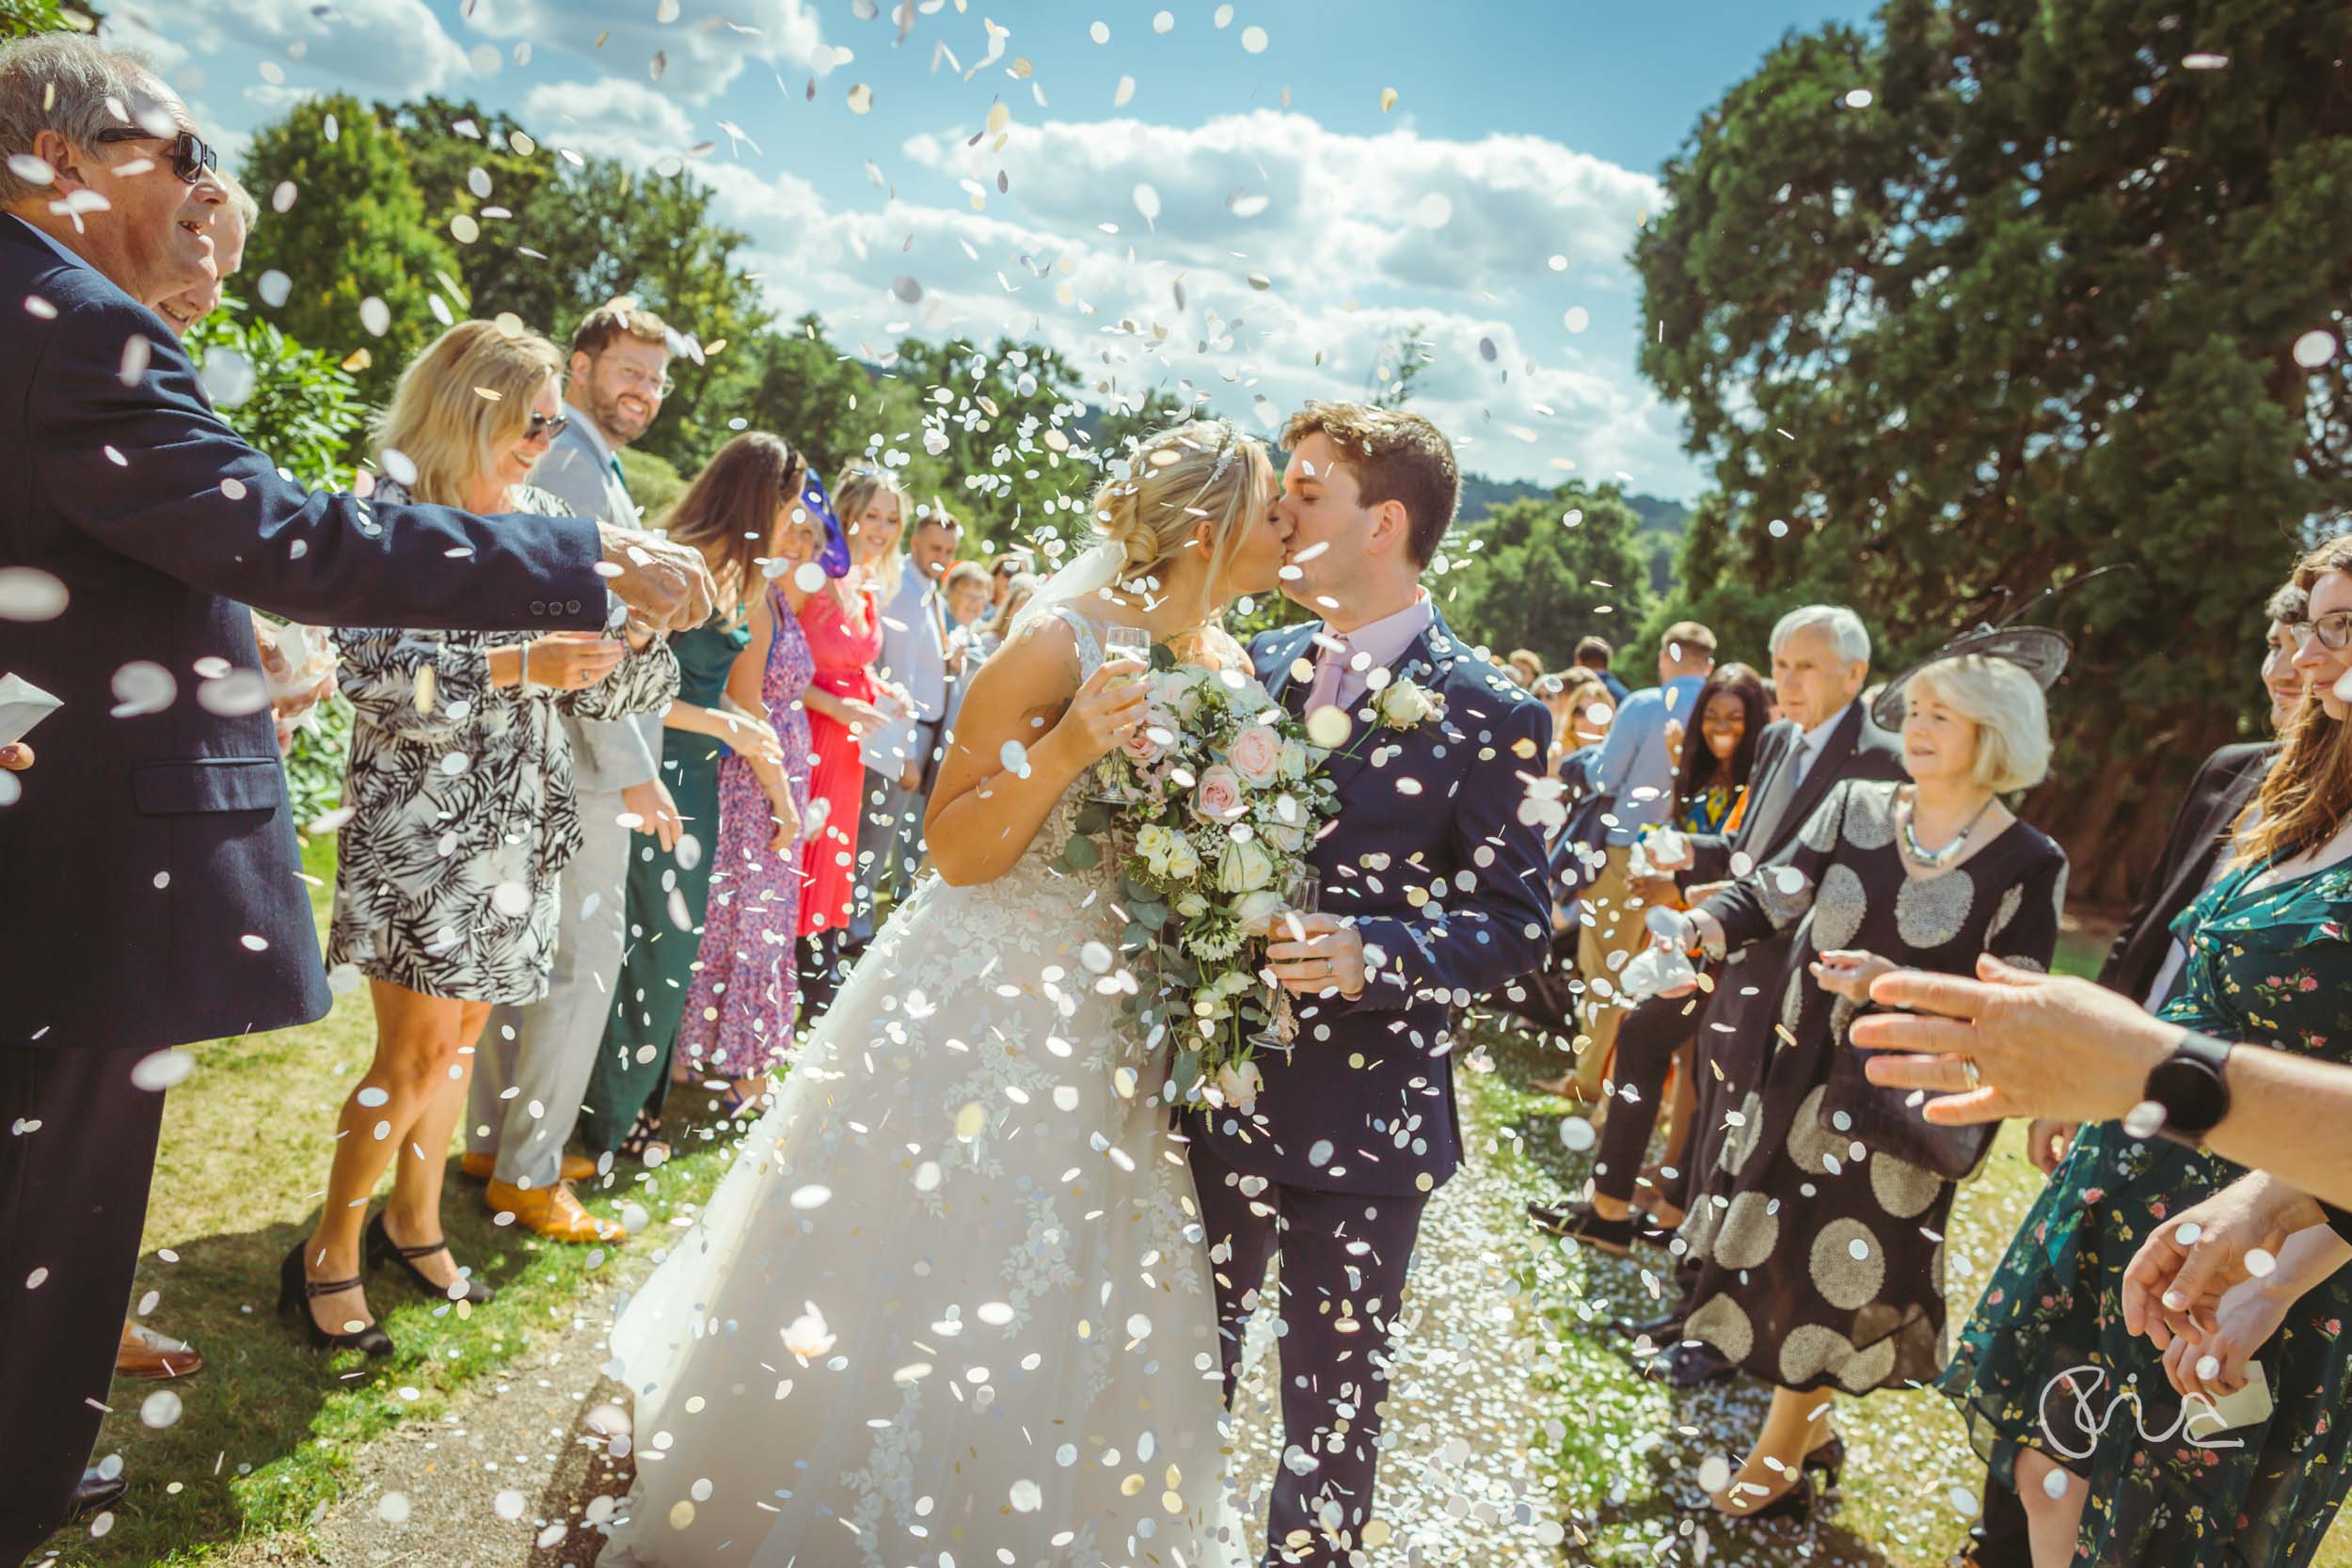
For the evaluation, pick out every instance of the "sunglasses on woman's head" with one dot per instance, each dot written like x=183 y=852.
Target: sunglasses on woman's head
x=190 y=157
x=547 y=426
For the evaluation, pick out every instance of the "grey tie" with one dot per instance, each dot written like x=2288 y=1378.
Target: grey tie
x=1779 y=790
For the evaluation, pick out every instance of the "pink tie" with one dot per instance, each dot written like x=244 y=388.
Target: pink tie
x=1326 y=690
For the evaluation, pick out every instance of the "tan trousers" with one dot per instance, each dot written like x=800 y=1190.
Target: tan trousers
x=1615 y=927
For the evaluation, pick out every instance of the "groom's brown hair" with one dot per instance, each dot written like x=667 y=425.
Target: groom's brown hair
x=1398 y=456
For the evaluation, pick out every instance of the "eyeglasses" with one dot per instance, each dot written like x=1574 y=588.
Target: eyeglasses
x=191 y=159
x=2333 y=630
x=644 y=381
x=546 y=425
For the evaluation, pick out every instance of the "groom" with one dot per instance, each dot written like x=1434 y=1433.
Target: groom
x=1434 y=891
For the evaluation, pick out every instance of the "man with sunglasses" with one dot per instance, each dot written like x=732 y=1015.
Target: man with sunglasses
x=155 y=897
x=536 y=1060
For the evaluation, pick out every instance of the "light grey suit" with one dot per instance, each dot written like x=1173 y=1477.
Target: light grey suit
x=533 y=1062
x=890 y=831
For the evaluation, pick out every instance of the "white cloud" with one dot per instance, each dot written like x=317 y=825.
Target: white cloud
x=700 y=53
x=375 y=48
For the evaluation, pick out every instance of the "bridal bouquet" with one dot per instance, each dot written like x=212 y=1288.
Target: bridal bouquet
x=1214 y=804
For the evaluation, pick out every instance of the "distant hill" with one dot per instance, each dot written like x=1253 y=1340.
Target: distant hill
x=1659 y=543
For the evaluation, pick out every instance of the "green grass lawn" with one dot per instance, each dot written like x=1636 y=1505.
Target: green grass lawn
x=266 y=1429
x=265 y=1434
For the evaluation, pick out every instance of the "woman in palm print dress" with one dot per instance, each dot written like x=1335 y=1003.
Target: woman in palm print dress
x=462 y=817
x=2270 y=961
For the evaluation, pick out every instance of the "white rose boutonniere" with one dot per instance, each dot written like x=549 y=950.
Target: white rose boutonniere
x=1407 y=705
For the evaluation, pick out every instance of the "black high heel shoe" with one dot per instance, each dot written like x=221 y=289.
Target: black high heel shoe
x=1828 y=1461
x=381 y=1248
x=297 y=1291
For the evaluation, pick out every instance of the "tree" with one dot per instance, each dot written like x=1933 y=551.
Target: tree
x=1010 y=431
x=1540 y=574
x=355 y=230
x=1403 y=358
x=2011 y=291
x=23 y=18
x=291 y=402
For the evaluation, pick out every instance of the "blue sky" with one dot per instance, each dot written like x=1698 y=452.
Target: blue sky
x=1296 y=226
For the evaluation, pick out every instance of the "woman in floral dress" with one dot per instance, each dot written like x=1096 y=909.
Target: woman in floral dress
x=2270 y=962
x=739 y=1009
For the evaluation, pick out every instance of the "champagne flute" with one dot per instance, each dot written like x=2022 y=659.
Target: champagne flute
x=1301 y=894
x=1126 y=646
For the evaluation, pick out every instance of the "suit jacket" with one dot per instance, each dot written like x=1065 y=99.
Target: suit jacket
x=154 y=895
x=914 y=655
x=607 y=754
x=2201 y=828
x=1447 y=883
x=1856 y=749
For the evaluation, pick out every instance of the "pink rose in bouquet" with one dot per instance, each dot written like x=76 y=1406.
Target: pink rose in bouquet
x=1256 y=754
x=1217 y=797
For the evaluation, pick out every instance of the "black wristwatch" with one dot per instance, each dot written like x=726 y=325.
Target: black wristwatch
x=2192 y=1088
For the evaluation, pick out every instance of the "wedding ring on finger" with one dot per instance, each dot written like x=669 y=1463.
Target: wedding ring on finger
x=1968 y=1070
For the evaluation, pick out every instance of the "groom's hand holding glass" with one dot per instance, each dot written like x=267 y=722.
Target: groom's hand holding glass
x=1319 y=952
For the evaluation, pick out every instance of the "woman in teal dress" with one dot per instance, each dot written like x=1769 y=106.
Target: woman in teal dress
x=2042 y=1362
x=733 y=511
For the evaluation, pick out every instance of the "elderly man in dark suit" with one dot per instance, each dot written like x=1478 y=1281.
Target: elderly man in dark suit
x=2146 y=959
x=1820 y=663
x=154 y=896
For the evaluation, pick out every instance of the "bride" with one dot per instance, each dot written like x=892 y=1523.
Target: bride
x=952 y=1307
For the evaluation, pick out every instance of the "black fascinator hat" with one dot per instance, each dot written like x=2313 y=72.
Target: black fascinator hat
x=2042 y=652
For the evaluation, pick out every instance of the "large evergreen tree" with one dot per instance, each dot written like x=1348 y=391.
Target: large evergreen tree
x=356 y=230
x=2011 y=289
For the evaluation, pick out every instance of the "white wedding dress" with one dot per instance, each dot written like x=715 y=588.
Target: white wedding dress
x=968 y=1174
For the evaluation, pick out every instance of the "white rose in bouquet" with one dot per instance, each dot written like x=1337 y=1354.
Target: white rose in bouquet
x=1180 y=692
x=1192 y=906
x=1282 y=836
x=1256 y=909
x=1256 y=754
x=1295 y=760
x=1155 y=843
x=1244 y=867
x=1184 y=860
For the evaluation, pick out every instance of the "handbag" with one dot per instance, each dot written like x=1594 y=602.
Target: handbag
x=1886 y=1122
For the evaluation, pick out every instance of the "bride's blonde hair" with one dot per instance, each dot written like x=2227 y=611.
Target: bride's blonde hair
x=1206 y=472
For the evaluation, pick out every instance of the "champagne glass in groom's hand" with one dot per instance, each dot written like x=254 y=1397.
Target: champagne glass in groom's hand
x=1301 y=894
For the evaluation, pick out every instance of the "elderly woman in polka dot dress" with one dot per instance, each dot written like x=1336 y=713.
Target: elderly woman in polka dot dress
x=1821 y=1246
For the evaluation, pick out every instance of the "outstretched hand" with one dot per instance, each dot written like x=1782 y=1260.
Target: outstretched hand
x=2042 y=1045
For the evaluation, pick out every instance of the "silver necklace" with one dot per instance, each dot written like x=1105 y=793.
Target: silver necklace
x=1936 y=859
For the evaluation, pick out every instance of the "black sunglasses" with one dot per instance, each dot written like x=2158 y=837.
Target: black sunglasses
x=191 y=159
x=549 y=425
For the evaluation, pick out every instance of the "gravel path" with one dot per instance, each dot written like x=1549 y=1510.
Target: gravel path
x=516 y=1475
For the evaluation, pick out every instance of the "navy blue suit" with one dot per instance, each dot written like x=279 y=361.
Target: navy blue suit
x=1450 y=891
x=152 y=896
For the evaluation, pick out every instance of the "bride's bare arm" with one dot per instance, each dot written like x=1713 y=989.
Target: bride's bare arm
x=1027 y=730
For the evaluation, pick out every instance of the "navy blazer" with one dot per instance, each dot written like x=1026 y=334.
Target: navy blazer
x=153 y=890
x=1448 y=885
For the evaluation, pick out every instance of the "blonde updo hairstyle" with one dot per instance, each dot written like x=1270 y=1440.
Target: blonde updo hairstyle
x=1206 y=472
x=461 y=399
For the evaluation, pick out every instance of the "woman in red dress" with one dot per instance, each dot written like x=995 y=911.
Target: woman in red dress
x=842 y=622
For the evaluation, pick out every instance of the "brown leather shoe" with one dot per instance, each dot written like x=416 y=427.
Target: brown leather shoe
x=481 y=1167
x=552 y=1211
x=155 y=1357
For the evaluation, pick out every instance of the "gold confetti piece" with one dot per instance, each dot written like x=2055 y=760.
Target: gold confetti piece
x=861 y=99
x=1388 y=101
